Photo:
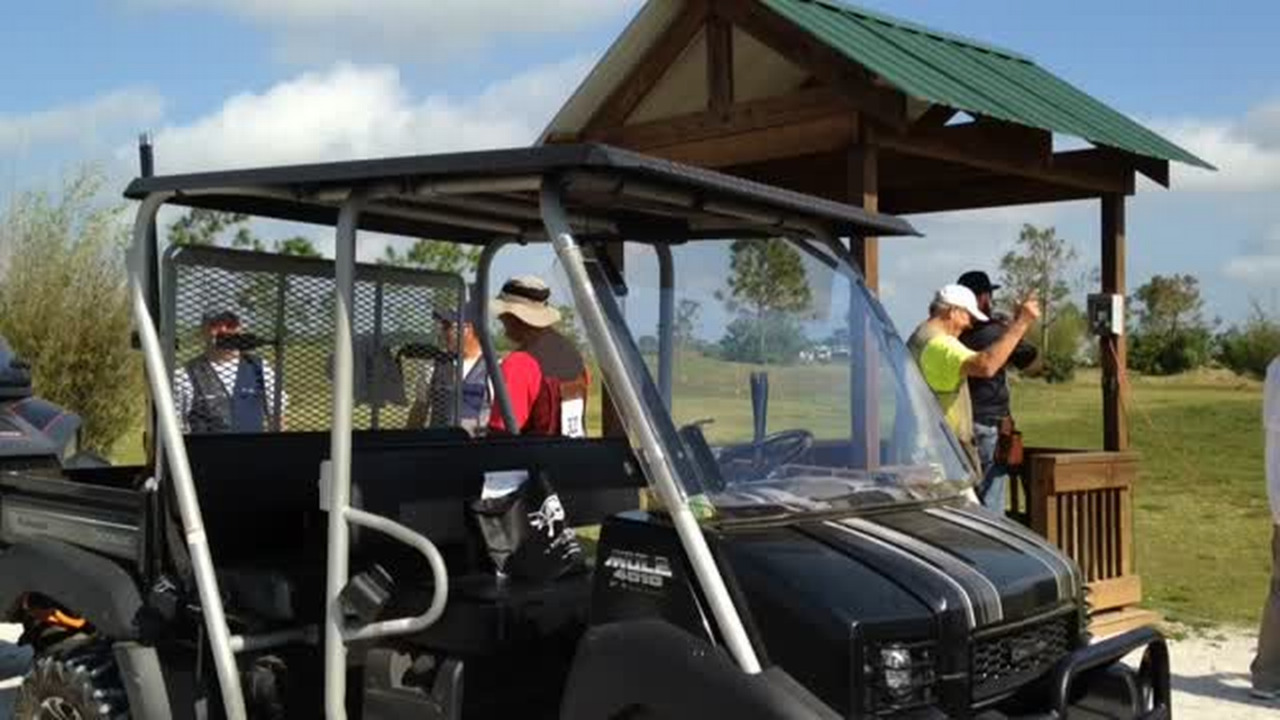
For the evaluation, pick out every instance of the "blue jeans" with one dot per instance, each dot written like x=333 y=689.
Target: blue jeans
x=994 y=488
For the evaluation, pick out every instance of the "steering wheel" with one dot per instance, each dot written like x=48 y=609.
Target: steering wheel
x=766 y=456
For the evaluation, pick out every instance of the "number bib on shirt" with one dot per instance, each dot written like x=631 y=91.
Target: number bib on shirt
x=573 y=418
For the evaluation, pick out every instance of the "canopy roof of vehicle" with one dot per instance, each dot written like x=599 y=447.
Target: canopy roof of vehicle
x=478 y=196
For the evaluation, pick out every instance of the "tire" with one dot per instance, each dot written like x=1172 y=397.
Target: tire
x=76 y=679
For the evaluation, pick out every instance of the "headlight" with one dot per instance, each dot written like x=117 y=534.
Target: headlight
x=900 y=676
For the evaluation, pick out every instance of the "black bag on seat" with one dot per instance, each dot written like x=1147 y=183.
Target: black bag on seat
x=526 y=533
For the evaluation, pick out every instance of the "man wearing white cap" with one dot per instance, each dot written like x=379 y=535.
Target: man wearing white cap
x=545 y=376
x=947 y=364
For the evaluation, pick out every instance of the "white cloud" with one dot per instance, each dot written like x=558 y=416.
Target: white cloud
x=321 y=30
x=81 y=123
x=1246 y=152
x=1253 y=269
x=352 y=111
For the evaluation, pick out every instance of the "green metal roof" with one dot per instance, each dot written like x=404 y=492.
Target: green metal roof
x=972 y=76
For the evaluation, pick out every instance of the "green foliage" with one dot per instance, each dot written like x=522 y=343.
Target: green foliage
x=767 y=279
x=435 y=255
x=1170 y=335
x=1249 y=348
x=1059 y=367
x=686 y=320
x=208 y=227
x=64 y=305
x=775 y=339
x=1041 y=263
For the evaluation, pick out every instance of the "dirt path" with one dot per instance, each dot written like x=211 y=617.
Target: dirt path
x=1210 y=675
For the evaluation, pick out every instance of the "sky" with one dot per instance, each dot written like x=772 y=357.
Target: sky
x=233 y=83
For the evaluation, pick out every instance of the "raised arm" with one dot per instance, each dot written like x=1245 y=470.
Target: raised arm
x=988 y=362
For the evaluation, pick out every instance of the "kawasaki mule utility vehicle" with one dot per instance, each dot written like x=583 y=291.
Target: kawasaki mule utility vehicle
x=834 y=567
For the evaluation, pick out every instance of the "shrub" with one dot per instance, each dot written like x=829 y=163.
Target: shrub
x=1171 y=353
x=1248 y=349
x=1059 y=367
x=64 y=306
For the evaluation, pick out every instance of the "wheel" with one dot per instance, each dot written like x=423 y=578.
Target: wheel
x=764 y=457
x=75 y=679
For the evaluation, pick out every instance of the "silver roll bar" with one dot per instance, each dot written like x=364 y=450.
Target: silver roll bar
x=634 y=417
x=486 y=340
x=175 y=450
x=341 y=514
x=666 y=320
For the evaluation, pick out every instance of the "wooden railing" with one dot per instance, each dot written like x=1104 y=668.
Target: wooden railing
x=1082 y=501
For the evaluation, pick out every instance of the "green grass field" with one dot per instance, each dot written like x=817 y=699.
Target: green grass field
x=1202 y=520
x=1202 y=523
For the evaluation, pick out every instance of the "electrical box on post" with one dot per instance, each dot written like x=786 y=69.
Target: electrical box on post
x=1106 y=314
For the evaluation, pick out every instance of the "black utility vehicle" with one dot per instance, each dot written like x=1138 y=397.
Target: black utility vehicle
x=838 y=567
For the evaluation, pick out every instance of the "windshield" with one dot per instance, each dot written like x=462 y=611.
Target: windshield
x=790 y=391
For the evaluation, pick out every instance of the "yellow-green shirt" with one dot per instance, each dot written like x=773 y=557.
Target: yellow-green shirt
x=942 y=358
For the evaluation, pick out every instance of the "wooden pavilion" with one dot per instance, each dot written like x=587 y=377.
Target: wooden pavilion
x=849 y=104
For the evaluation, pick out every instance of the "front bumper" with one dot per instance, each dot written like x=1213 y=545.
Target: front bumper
x=1092 y=684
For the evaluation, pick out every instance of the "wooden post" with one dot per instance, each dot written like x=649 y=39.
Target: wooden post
x=1113 y=348
x=864 y=192
x=863 y=183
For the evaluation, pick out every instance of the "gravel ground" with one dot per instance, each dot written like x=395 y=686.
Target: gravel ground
x=1210 y=675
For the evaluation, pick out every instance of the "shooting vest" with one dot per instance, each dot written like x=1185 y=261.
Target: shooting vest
x=561 y=404
x=476 y=403
x=244 y=410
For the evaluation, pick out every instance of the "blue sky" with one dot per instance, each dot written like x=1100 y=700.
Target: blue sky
x=240 y=82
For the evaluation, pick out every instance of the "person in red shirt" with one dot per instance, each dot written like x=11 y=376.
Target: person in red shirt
x=546 y=377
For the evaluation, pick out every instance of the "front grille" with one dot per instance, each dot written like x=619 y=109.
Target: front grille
x=1004 y=660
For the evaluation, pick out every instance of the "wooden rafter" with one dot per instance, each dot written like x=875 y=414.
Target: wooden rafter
x=801 y=106
x=1009 y=149
x=886 y=105
x=649 y=71
x=994 y=191
x=719 y=64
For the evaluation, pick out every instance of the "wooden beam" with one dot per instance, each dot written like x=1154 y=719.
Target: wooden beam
x=887 y=105
x=800 y=106
x=801 y=138
x=934 y=118
x=630 y=92
x=1113 y=348
x=989 y=192
x=719 y=64
x=1015 y=150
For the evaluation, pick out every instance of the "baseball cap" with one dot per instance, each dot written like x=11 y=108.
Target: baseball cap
x=221 y=318
x=961 y=297
x=977 y=281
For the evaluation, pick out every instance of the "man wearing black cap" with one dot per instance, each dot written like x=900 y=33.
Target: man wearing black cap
x=434 y=404
x=990 y=396
x=225 y=389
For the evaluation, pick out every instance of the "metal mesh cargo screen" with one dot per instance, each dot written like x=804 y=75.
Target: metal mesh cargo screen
x=285 y=307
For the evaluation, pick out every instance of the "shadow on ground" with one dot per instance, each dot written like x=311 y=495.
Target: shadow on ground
x=1232 y=687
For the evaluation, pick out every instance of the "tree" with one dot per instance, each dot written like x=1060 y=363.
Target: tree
x=1041 y=263
x=208 y=228
x=766 y=278
x=64 y=305
x=686 y=320
x=743 y=340
x=1170 y=335
x=435 y=255
x=1249 y=348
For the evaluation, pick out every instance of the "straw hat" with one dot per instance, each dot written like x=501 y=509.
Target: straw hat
x=526 y=297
